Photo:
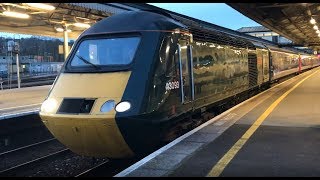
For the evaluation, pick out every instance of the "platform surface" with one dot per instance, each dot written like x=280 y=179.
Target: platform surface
x=17 y=101
x=275 y=133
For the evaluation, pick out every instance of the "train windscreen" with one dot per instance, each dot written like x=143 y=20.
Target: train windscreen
x=105 y=52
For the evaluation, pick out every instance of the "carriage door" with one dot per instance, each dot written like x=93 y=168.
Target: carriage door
x=270 y=66
x=185 y=70
x=253 y=69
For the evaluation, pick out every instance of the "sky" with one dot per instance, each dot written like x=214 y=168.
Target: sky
x=217 y=13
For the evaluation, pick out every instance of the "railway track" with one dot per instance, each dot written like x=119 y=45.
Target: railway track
x=91 y=170
x=22 y=131
x=63 y=163
x=108 y=168
x=46 y=158
x=25 y=147
x=50 y=158
x=14 y=158
x=28 y=149
x=27 y=166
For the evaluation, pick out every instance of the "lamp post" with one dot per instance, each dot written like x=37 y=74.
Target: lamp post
x=65 y=42
x=17 y=64
x=16 y=49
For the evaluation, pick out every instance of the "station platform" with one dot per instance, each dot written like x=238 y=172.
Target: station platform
x=23 y=101
x=275 y=133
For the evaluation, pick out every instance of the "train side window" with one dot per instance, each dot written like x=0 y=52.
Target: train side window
x=171 y=65
x=167 y=53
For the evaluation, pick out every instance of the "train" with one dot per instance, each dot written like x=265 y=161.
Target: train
x=130 y=78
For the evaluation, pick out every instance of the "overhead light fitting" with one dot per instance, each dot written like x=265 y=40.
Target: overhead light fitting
x=315 y=27
x=82 y=25
x=312 y=21
x=15 y=14
x=61 y=29
x=318 y=31
x=42 y=6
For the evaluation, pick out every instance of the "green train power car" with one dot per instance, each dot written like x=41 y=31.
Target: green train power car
x=131 y=76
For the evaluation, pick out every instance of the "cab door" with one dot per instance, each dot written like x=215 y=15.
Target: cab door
x=186 y=70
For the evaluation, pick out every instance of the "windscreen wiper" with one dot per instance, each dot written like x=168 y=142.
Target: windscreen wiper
x=88 y=62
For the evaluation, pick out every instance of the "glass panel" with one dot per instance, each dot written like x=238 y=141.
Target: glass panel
x=167 y=57
x=105 y=52
x=185 y=70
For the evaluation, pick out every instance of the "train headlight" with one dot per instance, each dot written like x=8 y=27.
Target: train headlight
x=123 y=106
x=49 y=105
x=107 y=106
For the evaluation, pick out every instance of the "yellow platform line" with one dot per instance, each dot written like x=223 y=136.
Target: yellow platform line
x=224 y=161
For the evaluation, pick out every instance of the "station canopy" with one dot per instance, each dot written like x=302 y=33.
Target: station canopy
x=43 y=20
x=299 y=22
x=291 y=20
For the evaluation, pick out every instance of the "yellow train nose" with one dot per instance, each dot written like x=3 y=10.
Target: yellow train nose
x=85 y=135
x=94 y=132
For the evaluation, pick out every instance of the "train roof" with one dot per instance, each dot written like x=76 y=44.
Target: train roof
x=167 y=20
x=189 y=21
x=134 y=21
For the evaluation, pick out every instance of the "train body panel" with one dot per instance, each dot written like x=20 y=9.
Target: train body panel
x=226 y=74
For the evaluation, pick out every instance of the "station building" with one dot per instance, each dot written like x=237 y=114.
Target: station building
x=265 y=33
x=29 y=65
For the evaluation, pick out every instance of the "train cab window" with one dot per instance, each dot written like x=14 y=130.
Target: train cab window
x=105 y=52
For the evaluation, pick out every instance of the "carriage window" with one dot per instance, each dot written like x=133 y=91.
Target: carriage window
x=105 y=52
